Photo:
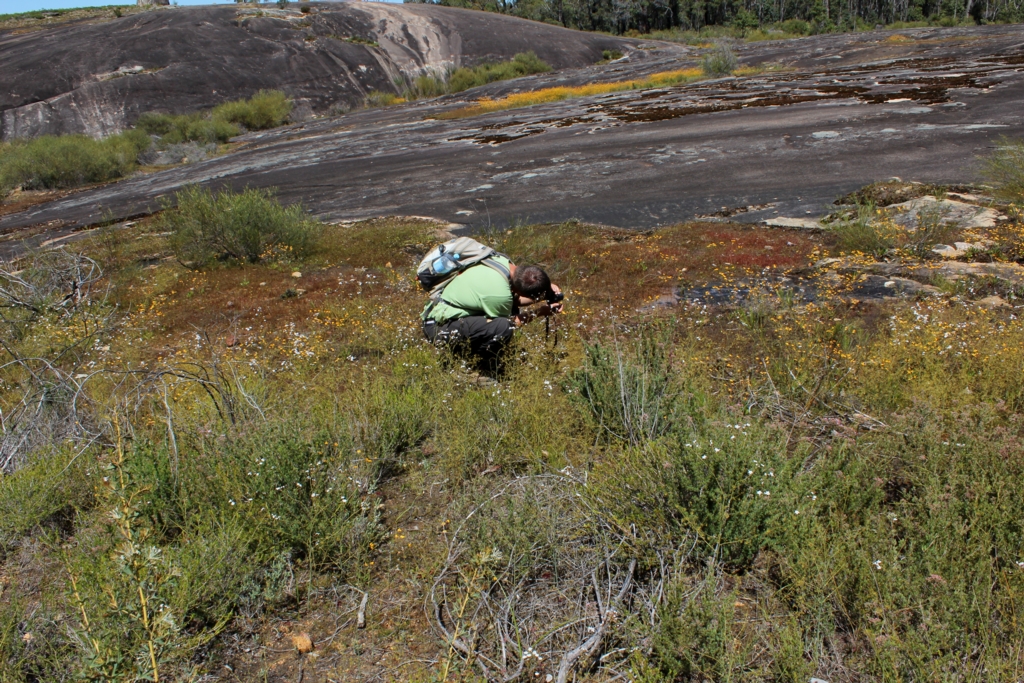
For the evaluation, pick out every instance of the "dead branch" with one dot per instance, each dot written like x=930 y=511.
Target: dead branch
x=590 y=646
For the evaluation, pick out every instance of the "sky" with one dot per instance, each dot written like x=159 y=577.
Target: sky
x=12 y=6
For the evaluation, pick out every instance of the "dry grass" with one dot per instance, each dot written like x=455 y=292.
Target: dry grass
x=557 y=94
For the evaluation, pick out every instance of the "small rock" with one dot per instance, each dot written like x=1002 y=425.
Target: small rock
x=303 y=643
x=962 y=214
x=790 y=222
x=388 y=264
x=818 y=680
x=232 y=340
x=993 y=302
x=297 y=274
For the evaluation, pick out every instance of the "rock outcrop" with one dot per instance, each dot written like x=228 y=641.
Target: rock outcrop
x=98 y=78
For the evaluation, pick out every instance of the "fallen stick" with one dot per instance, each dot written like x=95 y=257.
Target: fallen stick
x=361 y=614
x=591 y=644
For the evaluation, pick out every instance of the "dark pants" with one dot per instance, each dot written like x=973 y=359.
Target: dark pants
x=482 y=337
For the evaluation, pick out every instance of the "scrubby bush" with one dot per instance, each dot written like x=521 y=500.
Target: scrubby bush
x=174 y=130
x=52 y=162
x=379 y=98
x=796 y=27
x=245 y=226
x=265 y=109
x=627 y=390
x=720 y=61
x=523 y=64
x=1005 y=170
x=858 y=231
x=426 y=86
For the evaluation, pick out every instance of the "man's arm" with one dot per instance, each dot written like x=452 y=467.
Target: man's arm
x=544 y=310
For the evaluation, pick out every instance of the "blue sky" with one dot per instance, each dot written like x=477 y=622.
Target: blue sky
x=12 y=6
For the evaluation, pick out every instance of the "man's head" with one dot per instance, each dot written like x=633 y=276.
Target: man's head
x=531 y=282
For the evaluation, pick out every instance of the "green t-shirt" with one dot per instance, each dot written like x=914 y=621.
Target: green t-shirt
x=479 y=290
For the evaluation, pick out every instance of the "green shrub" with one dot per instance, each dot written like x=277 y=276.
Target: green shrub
x=265 y=109
x=245 y=226
x=379 y=98
x=1005 y=170
x=67 y=161
x=696 y=634
x=46 y=493
x=859 y=231
x=720 y=61
x=523 y=64
x=388 y=421
x=718 y=482
x=797 y=27
x=627 y=390
x=186 y=128
x=426 y=86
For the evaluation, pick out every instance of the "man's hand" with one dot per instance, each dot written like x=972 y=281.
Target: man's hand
x=557 y=307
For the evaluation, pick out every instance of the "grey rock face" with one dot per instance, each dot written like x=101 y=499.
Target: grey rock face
x=97 y=79
x=636 y=158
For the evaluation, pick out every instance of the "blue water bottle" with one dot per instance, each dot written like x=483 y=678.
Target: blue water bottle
x=445 y=264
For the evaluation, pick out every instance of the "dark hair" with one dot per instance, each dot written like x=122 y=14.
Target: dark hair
x=531 y=281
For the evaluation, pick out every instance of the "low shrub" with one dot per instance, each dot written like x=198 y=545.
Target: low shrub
x=61 y=162
x=426 y=86
x=858 y=231
x=720 y=61
x=1005 y=170
x=627 y=390
x=523 y=64
x=46 y=493
x=265 y=109
x=174 y=130
x=379 y=98
x=796 y=27
x=245 y=226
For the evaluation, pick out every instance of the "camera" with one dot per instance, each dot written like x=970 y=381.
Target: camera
x=553 y=297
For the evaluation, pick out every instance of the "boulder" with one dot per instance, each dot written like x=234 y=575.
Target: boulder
x=964 y=215
x=993 y=302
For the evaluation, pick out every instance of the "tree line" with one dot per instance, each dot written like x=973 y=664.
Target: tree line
x=799 y=16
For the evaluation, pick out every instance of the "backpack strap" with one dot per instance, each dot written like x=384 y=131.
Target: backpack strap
x=494 y=265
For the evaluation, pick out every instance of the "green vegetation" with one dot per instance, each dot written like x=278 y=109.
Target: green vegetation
x=464 y=78
x=68 y=161
x=1005 y=169
x=770 y=490
x=50 y=162
x=523 y=64
x=752 y=19
x=265 y=109
x=718 y=62
x=207 y=227
x=173 y=129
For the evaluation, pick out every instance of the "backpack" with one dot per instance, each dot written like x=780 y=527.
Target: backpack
x=445 y=261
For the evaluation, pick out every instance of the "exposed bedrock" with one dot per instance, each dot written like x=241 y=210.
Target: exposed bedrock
x=97 y=79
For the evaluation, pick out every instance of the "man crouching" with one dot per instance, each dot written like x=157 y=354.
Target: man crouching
x=479 y=309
